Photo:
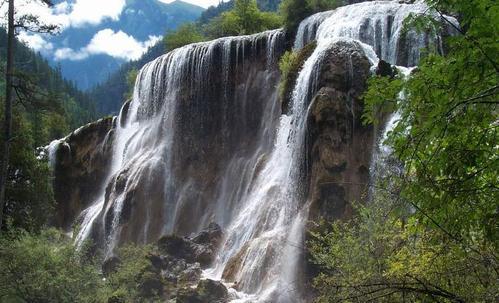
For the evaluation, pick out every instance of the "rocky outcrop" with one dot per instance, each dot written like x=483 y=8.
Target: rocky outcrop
x=201 y=248
x=207 y=291
x=81 y=163
x=172 y=270
x=340 y=146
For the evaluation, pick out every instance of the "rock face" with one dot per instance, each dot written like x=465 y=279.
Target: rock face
x=81 y=162
x=340 y=147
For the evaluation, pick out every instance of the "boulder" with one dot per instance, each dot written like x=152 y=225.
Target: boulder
x=207 y=291
x=200 y=248
x=385 y=69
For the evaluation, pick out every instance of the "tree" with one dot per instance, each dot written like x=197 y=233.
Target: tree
x=131 y=77
x=293 y=12
x=30 y=23
x=186 y=34
x=244 y=19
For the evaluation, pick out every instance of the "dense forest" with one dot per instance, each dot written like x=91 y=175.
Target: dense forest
x=429 y=231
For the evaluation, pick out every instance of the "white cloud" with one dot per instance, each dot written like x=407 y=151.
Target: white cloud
x=35 y=41
x=77 y=14
x=94 y=11
x=115 y=44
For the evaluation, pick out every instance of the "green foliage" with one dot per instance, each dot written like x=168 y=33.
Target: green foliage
x=45 y=267
x=447 y=135
x=244 y=19
x=324 y=5
x=290 y=65
x=131 y=77
x=186 y=34
x=381 y=256
x=293 y=12
x=29 y=198
x=386 y=92
x=134 y=270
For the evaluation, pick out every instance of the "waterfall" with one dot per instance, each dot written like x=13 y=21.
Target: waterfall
x=204 y=140
x=379 y=24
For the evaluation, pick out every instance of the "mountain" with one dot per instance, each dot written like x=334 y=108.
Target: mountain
x=109 y=95
x=143 y=20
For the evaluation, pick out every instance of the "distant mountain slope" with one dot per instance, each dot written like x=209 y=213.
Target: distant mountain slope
x=109 y=95
x=75 y=107
x=140 y=19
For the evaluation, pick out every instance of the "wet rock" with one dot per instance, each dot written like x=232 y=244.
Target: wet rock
x=190 y=275
x=81 y=165
x=234 y=265
x=207 y=291
x=116 y=299
x=201 y=248
x=211 y=235
x=175 y=246
x=157 y=261
x=385 y=69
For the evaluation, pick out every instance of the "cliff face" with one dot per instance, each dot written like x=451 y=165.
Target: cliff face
x=81 y=163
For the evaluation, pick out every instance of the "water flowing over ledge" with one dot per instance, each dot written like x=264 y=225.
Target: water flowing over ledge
x=204 y=140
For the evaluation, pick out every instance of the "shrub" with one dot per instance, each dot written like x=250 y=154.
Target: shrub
x=290 y=65
x=45 y=267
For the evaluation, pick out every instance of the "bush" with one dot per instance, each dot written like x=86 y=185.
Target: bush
x=29 y=201
x=290 y=65
x=382 y=255
x=45 y=267
x=129 y=281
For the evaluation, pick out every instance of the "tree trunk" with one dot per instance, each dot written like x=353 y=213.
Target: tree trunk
x=7 y=136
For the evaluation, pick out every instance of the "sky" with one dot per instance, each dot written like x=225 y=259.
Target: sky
x=89 y=12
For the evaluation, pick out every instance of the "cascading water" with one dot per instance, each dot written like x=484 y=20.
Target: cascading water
x=203 y=140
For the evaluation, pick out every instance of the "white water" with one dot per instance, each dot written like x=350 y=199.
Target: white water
x=259 y=197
